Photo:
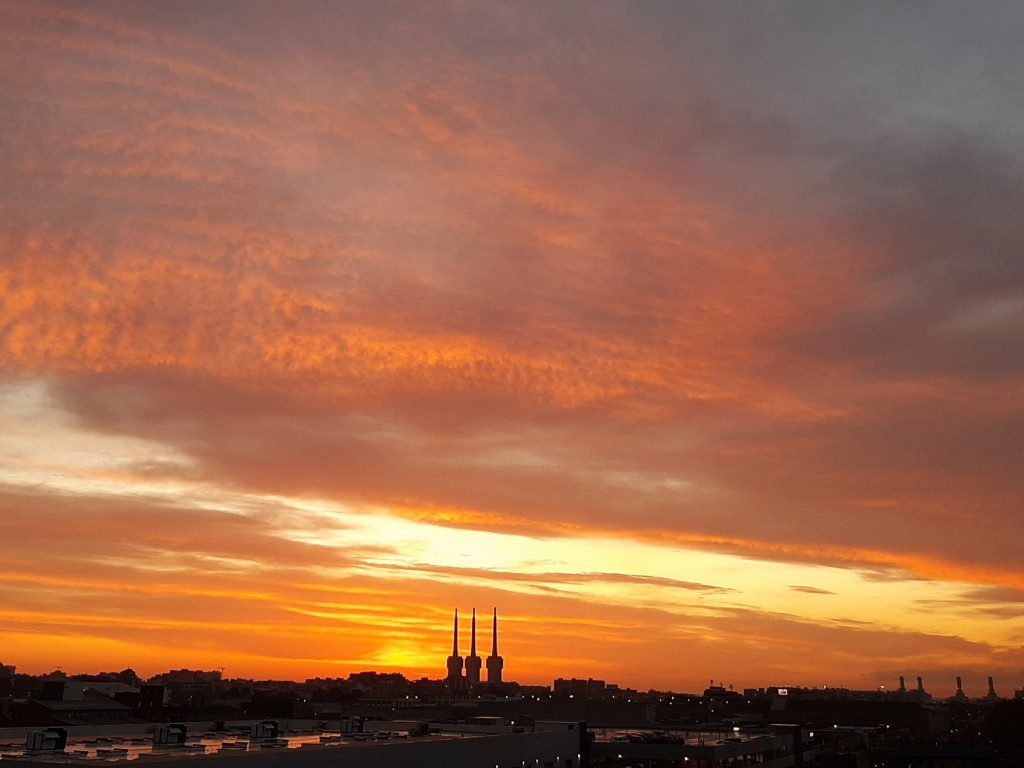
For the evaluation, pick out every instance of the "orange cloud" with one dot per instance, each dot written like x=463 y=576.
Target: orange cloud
x=485 y=277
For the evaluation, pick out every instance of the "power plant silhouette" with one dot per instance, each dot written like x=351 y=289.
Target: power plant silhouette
x=473 y=663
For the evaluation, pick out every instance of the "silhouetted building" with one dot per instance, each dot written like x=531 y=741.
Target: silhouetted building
x=494 y=662
x=7 y=673
x=378 y=684
x=53 y=690
x=992 y=695
x=91 y=711
x=959 y=695
x=918 y=694
x=152 y=697
x=473 y=661
x=454 y=678
x=589 y=689
x=187 y=676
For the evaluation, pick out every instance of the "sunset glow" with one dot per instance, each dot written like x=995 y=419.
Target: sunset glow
x=689 y=335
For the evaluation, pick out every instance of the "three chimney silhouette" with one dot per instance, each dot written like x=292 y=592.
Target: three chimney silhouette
x=473 y=662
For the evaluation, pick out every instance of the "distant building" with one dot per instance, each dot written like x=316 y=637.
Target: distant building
x=378 y=684
x=992 y=695
x=187 y=676
x=588 y=689
x=98 y=710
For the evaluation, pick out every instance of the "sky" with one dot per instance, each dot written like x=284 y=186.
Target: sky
x=688 y=335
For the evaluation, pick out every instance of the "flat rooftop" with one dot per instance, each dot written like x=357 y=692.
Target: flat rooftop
x=694 y=737
x=114 y=748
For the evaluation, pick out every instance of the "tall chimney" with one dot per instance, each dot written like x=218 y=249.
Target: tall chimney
x=454 y=678
x=494 y=662
x=473 y=661
x=494 y=634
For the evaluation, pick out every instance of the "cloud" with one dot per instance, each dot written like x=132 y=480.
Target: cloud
x=811 y=590
x=524 y=270
x=545 y=580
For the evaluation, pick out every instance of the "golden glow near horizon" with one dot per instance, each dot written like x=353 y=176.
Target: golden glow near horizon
x=693 y=366
x=692 y=591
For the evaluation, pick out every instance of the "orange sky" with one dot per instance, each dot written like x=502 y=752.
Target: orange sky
x=687 y=335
